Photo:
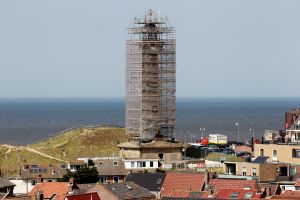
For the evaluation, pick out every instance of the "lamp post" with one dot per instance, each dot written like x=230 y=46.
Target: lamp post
x=238 y=130
x=202 y=131
x=252 y=130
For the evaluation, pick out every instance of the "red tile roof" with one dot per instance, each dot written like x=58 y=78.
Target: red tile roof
x=86 y=196
x=180 y=185
x=226 y=194
x=219 y=184
x=288 y=194
x=50 y=188
x=297 y=184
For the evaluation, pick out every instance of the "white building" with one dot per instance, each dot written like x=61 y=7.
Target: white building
x=141 y=163
x=217 y=139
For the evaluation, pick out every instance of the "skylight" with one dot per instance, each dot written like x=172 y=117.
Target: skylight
x=248 y=195
x=234 y=195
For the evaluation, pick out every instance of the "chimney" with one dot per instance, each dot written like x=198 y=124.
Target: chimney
x=206 y=179
x=40 y=195
x=71 y=185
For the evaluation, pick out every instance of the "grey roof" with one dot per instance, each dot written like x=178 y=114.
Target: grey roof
x=43 y=172
x=128 y=190
x=110 y=168
x=150 y=181
x=261 y=159
x=5 y=183
x=83 y=188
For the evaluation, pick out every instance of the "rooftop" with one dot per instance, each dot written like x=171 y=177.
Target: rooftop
x=86 y=196
x=237 y=194
x=150 y=181
x=60 y=189
x=219 y=184
x=181 y=185
x=5 y=183
x=128 y=190
x=152 y=144
x=110 y=167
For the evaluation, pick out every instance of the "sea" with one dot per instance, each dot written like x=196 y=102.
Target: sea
x=27 y=121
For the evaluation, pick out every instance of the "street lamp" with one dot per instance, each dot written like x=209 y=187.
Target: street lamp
x=238 y=130
x=202 y=131
x=252 y=130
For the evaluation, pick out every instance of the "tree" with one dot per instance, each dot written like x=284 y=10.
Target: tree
x=82 y=175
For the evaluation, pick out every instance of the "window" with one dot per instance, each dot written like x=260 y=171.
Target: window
x=102 y=179
x=139 y=164
x=132 y=165
x=234 y=195
x=144 y=164
x=115 y=163
x=158 y=181
x=253 y=171
x=274 y=155
x=33 y=182
x=261 y=153
x=244 y=171
x=296 y=153
x=151 y=163
x=248 y=195
x=116 y=179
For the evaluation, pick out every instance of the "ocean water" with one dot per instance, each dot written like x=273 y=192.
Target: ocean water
x=27 y=121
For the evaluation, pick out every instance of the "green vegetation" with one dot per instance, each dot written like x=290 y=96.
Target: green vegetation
x=12 y=160
x=83 y=175
x=222 y=156
x=83 y=142
x=101 y=141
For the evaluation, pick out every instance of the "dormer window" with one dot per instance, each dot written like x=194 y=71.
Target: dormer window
x=115 y=163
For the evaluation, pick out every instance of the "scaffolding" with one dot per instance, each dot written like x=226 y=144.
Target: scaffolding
x=150 y=78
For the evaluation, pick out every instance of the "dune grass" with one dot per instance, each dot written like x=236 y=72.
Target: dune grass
x=81 y=142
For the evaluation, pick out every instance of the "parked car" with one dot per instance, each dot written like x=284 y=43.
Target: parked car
x=214 y=148
x=239 y=154
x=228 y=151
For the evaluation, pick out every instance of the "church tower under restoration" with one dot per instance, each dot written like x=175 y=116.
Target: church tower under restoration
x=150 y=78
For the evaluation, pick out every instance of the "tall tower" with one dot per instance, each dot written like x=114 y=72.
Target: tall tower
x=150 y=78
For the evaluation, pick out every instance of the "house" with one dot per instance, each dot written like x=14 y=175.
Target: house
x=122 y=191
x=151 y=181
x=293 y=132
x=6 y=187
x=182 y=184
x=271 y=135
x=52 y=190
x=73 y=166
x=167 y=151
x=111 y=171
x=291 y=116
x=258 y=170
x=238 y=194
x=86 y=196
x=289 y=153
x=30 y=175
x=59 y=190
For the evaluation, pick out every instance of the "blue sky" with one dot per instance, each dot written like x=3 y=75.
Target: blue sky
x=72 y=48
